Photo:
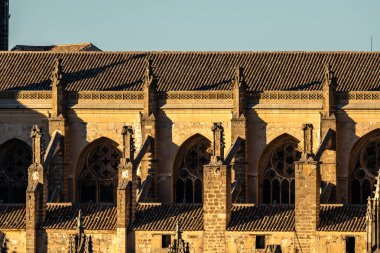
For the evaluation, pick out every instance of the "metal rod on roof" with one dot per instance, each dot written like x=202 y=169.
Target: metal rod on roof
x=371 y=43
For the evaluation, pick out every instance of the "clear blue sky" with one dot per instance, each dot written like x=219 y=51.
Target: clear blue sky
x=215 y=25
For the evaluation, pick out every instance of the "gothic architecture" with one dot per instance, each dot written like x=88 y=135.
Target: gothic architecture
x=247 y=151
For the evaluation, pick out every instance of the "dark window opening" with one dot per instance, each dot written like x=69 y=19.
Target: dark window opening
x=15 y=158
x=165 y=241
x=106 y=193
x=189 y=179
x=278 y=184
x=260 y=242
x=98 y=178
x=88 y=193
x=266 y=192
x=19 y=194
x=180 y=191
x=350 y=244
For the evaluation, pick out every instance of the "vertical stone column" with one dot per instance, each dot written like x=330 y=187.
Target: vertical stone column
x=216 y=196
x=307 y=199
x=239 y=129
x=57 y=122
x=36 y=195
x=126 y=191
x=148 y=127
x=328 y=162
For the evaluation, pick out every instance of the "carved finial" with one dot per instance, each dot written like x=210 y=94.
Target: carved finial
x=148 y=75
x=239 y=77
x=35 y=132
x=80 y=221
x=128 y=142
x=308 y=140
x=57 y=73
x=329 y=90
x=36 y=135
x=178 y=231
x=376 y=193
x=218 y=143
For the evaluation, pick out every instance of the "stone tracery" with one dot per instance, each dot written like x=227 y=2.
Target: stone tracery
x=15 y=157
x=365 y=172
x=189 y=179
x=98 y=177
x=278 y=184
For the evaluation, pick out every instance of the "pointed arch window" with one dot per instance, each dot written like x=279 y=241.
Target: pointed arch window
x=278 y=182
x=98 y=177
x=15 y=158
x=189 y=179
x=364 y=175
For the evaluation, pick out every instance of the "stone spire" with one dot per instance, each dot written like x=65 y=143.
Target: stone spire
x=36 y=135
x=218 y=143
x=329 y=92
x=239 y=93
x=149 y=88
x=58 y=90
x=126 y=189
x=373 y=219
x=36 y=194
x=307 y=141
x=128 y=143
x=148 y=75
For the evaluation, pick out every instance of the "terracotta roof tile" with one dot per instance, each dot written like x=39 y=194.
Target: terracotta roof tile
x=58 y=48
x=190 y=70
x=164 y=217
x=95 y=216
x=12 y=216
x=248 y=217
x=350 y=218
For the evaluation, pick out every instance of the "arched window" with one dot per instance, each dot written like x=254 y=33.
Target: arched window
x=15 y=158
x=189 y=176
x=98 y=177
x=278 y=181
x=366 y=168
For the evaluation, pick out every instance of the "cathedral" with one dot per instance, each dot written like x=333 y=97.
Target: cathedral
x=188 y=151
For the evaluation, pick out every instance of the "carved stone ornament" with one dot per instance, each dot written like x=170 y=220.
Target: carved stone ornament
x=35 y=132
x=57 y=73
x=124 y=174
x=35 y=175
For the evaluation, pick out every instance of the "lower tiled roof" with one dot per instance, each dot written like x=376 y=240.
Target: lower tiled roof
x=164 y=217
x=342 y=218
x=95 y=216
x=12 y=216
x=248 y=217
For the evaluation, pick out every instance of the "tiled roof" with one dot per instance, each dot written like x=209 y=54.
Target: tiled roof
x=58 y=48
x=164 y=217
x=190 y=70
x=12 y=216
x=95 y=216
x=342 y=218
x=246 y=217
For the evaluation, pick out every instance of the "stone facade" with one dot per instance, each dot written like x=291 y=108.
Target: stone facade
x=150 y=127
